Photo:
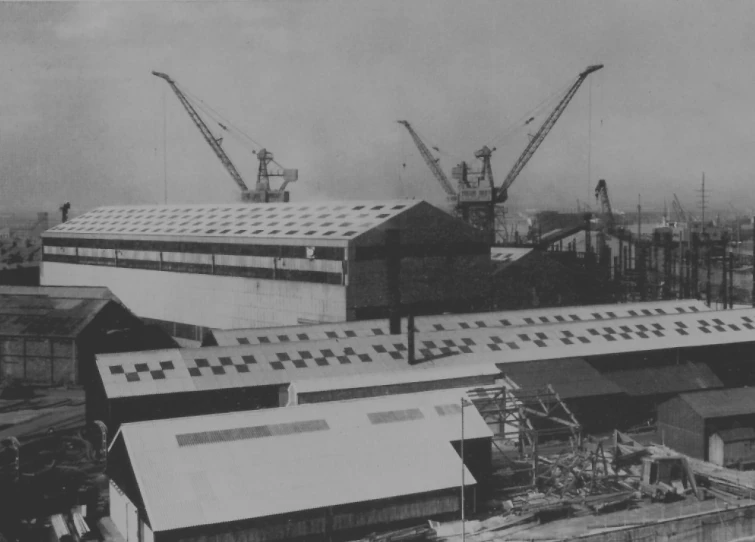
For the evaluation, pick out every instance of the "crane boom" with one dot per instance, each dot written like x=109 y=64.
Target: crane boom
x=501 y=194
x=206 y=133
x=429 y=160
x=681 y=216
x=601 y=194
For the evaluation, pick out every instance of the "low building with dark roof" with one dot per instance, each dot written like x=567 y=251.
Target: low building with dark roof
x=689 y=421
x=50 y=335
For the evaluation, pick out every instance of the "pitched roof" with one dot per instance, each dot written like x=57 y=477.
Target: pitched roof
x=570 y=378
x=330 y=220
x=395 y=377
x=721 y=403
x=272 y=364
x=451 y=322
x=230 y=467
x=641 y=381
x=737 y=434
x=49 y=311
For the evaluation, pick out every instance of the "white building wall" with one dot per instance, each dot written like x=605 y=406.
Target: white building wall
x=206 y=300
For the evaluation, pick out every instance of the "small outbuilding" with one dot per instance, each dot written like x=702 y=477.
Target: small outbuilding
x=711 y=425
x=50 y=335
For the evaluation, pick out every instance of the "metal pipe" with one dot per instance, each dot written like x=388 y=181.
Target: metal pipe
x=393 y=270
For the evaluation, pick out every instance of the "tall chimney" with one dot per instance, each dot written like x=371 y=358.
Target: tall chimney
x=410 y=338
x=393 y=270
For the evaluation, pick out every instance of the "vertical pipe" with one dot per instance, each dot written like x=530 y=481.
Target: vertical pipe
x=393 y=269
x=410 y=338
x=731 y=280
x=724 y=289
x=707 y=281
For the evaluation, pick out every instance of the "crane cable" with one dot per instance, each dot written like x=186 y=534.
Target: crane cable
x=227 y=125
x=534 y=112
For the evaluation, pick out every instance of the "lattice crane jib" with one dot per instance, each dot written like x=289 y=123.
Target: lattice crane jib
x=262 y=192
x=502 y=193
x=601 y=196
x=431 y=162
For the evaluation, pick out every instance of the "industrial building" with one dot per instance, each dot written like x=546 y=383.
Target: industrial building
x=714 y=425
x=50 y=335
x=451 y=322
x=133 y=386
x=173 y=383
x=332 y=471
x=194 y=267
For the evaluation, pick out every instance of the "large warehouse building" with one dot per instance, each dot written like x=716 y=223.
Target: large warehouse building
x=332 y=471
x=193 y=267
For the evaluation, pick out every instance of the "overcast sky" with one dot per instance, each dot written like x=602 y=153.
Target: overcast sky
x=321 y=84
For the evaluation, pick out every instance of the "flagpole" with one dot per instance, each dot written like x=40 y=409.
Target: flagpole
x=463 y=530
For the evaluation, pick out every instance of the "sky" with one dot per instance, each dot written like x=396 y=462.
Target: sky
x=321 y=84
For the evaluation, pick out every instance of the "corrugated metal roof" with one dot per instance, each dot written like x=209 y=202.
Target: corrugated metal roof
x=721 y=403
x=271 y=364
x=451 y=322
x=63 y=292
x=49 y=311
x=305 y=220
x=394 y=377
x=736 y=434
x=570 y=378
x=665 y=379
x=217 y=481
x=507 y=255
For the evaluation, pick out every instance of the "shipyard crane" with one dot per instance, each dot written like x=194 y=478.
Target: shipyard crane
x=431 y=162
x=501 y=194
x=262 y=192
x=681 y=216
x=601 y=196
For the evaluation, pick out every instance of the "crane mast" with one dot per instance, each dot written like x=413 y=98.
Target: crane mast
x=601 y=195
x=501 y=194
x=430 y=161
x=206 y=133
x=681 y=216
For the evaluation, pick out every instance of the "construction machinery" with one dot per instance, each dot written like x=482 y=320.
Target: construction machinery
x=679 y=213
x=262 y=192
x=476 y=198
x=601 y=196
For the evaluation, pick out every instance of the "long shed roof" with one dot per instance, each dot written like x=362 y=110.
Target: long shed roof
x=642 y=381
x=168 y=371
x=570 y=378
x=49 y=311
x=721 y=403
x=451 y=322
x=231 y=467
x=329 y=220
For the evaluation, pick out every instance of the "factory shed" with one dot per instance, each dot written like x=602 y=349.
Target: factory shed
x=194 y=267
x=331 y=472
x=688 y=421
x=319 y=390
x=733 y=448
x=275 y=365
x=452 y=322
x=175 y=383
x=593 y=399
x=50 y=335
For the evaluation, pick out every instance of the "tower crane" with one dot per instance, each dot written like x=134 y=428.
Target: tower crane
x=477 y=202
x=432 y=163
x=601 y=196
x=681 y=216
x=262 y=192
